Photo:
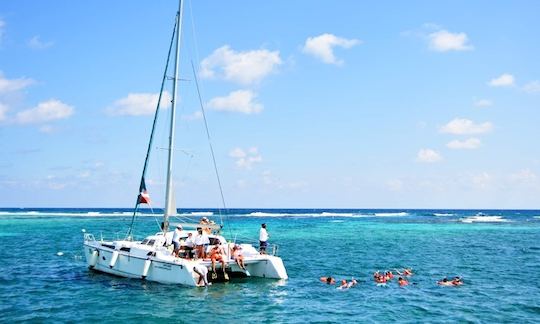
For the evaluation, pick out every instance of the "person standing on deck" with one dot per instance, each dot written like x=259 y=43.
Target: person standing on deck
x=263 y=239
x=176 y=239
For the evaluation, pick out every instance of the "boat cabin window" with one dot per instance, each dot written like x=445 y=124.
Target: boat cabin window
x=148 y=242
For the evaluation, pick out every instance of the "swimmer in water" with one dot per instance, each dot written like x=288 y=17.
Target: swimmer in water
x=406 y=272
x=445 y=282
x=402 y=282
x=328 y=280
x=343 y=284
x=353 y=282
x=457 y=281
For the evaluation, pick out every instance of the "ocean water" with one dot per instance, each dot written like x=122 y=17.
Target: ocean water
x=497 y=252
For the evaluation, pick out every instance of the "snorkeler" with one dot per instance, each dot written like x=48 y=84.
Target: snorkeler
x=328 y=280
x=406 y=272
x=457 y=281
x=444 y=282
x=402 y=282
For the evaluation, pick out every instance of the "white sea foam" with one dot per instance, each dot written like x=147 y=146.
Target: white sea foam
x=303 y=215
x=325 y=214
x=263 y=214
x=443 y=214
x=391 y=214
x=70 y=214
x=199 y=214
x=484 y=219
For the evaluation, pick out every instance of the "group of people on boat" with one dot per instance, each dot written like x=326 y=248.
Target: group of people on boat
x=197 y=246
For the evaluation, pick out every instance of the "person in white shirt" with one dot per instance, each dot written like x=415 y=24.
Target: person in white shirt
x=263 y=239
x=176 y=239
x=201 y=242
x=188 y=245
x=202 y=271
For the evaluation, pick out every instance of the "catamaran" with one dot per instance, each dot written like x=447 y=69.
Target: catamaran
x=152 y=258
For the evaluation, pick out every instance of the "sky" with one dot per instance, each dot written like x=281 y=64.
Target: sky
x=310 y=104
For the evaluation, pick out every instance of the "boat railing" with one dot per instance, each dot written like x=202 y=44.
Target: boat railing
x=239 y=240
x=89 y=237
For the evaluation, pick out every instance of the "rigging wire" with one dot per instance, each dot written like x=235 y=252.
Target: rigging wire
x=211 y=148
x=130 y=231
x=197 y=57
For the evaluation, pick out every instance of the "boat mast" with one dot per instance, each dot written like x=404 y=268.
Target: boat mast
x=170 y=208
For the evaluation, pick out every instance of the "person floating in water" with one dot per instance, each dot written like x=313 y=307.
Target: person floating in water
x=328 y=280
x=380 y=279
x=457 y=281
x=402 y=282
x=347 y=285
x=407 y=272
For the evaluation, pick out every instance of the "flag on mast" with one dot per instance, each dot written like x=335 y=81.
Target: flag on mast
x=144 y=197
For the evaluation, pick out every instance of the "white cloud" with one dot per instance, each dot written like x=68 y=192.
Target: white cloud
x=245 y=159
x=443 y=41
x=532 y=87
x=12 y=85
x=505 y=80
x=38 y=44
x=469 y=144
x=428 y=156
x=322 y=47
x=138 y=104
x=462 y=126
x=44 y=112
x=3 y=110
x=483 y=103
x=243 y=67
x=241 y=101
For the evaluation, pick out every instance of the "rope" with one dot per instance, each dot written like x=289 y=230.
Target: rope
x=211 y=149
x=153 y=127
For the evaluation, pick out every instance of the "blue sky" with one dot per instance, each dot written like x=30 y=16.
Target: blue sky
x=311 y=104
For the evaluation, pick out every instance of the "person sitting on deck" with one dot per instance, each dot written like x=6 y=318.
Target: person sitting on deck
x=188 y=246
x=215 y=255
x=238 y=257
x=205 y=221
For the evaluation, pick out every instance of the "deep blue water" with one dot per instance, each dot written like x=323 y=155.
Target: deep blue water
x=499 y=261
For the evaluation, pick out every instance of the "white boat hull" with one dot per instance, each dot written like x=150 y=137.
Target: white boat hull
x=127 y=259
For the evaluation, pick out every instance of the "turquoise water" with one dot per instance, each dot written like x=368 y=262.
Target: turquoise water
x=499 y=261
